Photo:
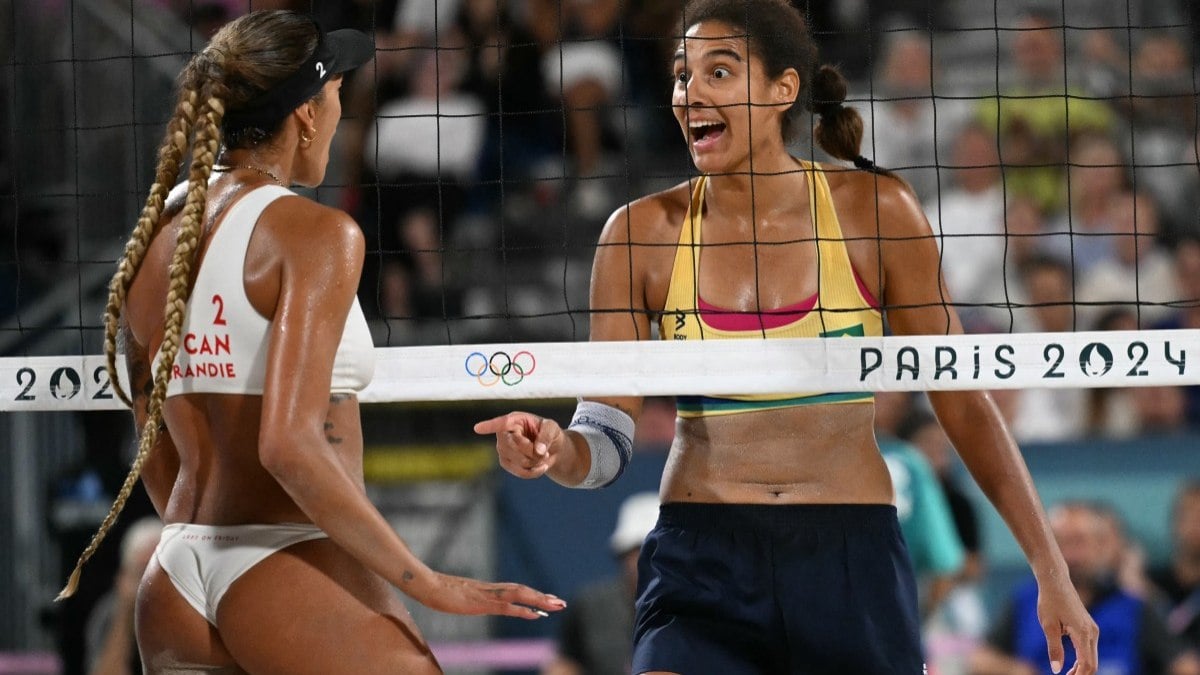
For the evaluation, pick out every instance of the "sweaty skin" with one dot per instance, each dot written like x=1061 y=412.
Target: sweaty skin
x=802 y=455
x=291 y=455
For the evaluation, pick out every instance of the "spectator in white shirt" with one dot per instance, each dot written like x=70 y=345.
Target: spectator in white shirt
x=968 y=221
x=904 y=125
x=1140 y=275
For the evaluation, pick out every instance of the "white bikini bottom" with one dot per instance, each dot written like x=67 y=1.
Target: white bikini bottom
x=203 y=561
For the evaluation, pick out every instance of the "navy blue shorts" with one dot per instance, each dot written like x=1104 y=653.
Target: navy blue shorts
x=809 y=589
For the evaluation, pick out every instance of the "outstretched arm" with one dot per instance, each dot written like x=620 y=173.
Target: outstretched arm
x=919 y=302
x=530 y=446
x=319 y=262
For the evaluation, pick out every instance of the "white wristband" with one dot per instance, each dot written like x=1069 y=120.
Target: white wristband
x=609 y=435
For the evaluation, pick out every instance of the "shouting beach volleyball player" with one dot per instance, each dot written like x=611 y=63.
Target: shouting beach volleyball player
x=777 y=548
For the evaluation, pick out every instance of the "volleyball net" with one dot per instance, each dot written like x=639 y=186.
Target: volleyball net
x=1096 y=359
x=1053 y=147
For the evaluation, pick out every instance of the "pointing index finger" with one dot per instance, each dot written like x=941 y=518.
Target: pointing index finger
x=492 y=426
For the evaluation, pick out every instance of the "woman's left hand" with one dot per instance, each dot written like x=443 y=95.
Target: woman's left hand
x=1061 y=613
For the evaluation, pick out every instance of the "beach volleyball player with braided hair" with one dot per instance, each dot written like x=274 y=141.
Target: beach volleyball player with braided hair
x=777 y=548
x=272 y=559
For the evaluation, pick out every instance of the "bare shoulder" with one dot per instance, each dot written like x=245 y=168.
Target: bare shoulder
x=875 y=204
x=651 y=219
x=301 y=224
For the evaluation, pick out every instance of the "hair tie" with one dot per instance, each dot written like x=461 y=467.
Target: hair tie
x=864 y=163
x=828 y=108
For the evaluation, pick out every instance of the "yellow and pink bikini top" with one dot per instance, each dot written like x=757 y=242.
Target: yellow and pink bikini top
x=842 y=306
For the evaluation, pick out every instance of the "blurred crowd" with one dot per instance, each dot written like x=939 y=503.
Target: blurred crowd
x=485 y=146
x=1058 y=168
x=1148 y=610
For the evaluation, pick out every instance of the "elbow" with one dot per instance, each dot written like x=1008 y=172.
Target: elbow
x=283 y=455
x=276 y=456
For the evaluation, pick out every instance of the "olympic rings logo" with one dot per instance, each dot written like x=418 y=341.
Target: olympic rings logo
x=500 y=367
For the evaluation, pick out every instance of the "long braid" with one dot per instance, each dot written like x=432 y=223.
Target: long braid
x=244 y=59
x=170 y=156
x=204 y=151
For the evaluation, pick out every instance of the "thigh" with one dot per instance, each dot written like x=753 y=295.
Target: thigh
x=851 y=606
x=704 y=605
x=172 y=636
x=311 y=608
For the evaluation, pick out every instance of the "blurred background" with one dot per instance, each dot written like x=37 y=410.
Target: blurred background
x=1054 y=145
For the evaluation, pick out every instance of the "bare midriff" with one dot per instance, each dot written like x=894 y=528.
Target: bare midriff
x=821 y=454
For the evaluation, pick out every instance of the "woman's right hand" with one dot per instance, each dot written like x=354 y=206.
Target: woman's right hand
x=462 y=595
x=527 y=445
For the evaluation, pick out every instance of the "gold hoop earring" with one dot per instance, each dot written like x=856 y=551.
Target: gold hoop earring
x=307 y=140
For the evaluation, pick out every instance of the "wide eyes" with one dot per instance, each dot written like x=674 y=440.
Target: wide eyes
x=718 y=73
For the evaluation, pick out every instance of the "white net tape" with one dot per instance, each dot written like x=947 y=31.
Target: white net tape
x=543 y=370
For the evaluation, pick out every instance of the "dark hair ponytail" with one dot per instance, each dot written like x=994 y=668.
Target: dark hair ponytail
x=839 y=128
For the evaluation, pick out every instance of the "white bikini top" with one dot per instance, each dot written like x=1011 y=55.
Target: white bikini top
x=224 y=340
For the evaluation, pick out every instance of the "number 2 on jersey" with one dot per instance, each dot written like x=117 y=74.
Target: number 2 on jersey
x=220 y=303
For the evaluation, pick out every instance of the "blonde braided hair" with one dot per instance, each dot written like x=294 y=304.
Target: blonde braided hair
x=170 y=155
x=204 y=152
x=269 y=45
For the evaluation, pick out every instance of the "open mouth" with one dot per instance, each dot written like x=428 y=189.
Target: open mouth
x=706 y=133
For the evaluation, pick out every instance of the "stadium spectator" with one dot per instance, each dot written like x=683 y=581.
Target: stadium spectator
x=420 y=20
x=1139 y=276
x=960 y=619
x=1034 y=119
x=1080 y=235
x=77 y=502
x=1177 y=583
x=1161 y=410
x=850 y=32
x=968 y=220
x=597 y=626
x=1187 y=310
x=1043 y=415
x=1124 y=554
x=902 y=128
x=386 y=77
x=656 y=427
x=1135 y=639
x=111 y=645
x=652 y=150
x=1163 y=91
x=585 y=71
x=921 y=430
x=1111 y=411
x=521 y=127
x=424 y=150
x=1162 y=122
x=925 y=521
